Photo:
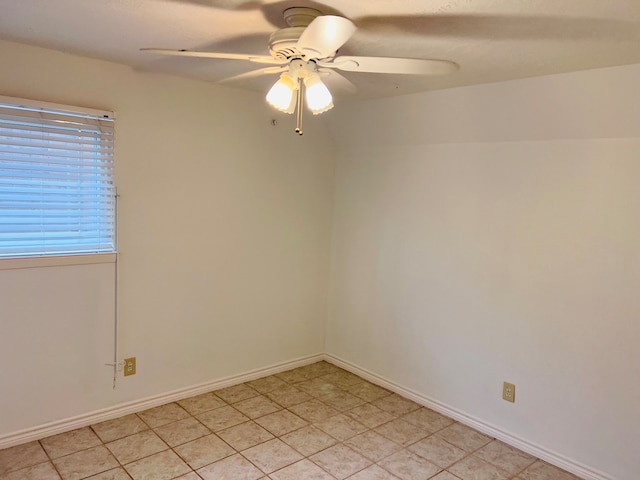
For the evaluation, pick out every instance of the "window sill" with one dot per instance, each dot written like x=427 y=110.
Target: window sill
x=56 y=261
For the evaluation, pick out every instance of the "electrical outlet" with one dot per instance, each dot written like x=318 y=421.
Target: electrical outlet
x=129 y=366
x=509 y=392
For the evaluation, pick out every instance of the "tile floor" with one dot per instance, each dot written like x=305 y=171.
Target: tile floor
x=316 y=422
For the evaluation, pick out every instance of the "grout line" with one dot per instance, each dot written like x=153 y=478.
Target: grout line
x=55 y=468
x=295 y=382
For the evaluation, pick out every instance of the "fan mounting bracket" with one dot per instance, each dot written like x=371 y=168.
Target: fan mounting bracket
x=300 y=16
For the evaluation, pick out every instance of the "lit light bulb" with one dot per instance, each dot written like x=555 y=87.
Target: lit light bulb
x=319 y=97
x=281 y=96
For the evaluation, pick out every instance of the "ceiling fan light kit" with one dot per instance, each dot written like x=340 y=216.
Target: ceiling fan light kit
x=319 y=98
x=309 y=45
x=282 y=94
x=299 y=83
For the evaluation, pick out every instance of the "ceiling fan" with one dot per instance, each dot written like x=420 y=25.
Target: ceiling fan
x=305 y=51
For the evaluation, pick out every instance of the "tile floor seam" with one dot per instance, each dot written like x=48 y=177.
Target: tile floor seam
x=510 y=476
x=471 y=454
x=55 y=468
x=219 y=438
x=392 y=440
x=329 y=473
x=122 y=465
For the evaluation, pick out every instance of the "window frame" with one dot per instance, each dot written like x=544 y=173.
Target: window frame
x=63 y=259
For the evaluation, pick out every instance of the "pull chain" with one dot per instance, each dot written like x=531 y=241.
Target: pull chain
x=299 y=107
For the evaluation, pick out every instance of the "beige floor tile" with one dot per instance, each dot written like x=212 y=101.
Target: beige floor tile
x=282 y=422
x=268 y=384
x=158 y=416
x=340 y=461
x=189 y=476
x=464 y=437
x=342 y=379
x=257 y=407
x=302 y=470
x=402 y=432
x=543 y=471
x=408 y=442
x=314 y=411
x=134 y=447
x=161 y=466
x=222 y=418
x=237 y=393
x=85 y=463
x=204 y=451
x=70 y=442
x=473 y=468
x=119 y=428
x=201 y=403
x=409 y=466
x=182 y=431
x=374 y=472
x=445 y=476
x=296 y=375
x=341 y=427
x=245 y=435
x=341 y=400
x=309 y=440
x=21 y=456
x=367 y=391
x=505 y=457
x=370 y=415
x=321 y=368
x=235 y=467
x=288 y=396
x=372 y=445
x=115 y=474
x=437 y=451
x=318 y=386
x=42 y=471
x=395 y=404
x=428 y=419
x=272 y=455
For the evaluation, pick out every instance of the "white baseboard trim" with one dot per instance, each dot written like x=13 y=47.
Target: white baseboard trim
x=65 y=425
x=583 y=471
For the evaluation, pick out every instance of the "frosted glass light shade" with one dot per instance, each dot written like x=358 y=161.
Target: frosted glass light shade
x=281 y=95
x=318 y=96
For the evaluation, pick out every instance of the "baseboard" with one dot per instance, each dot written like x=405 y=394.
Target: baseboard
x=582 y=471
x=120 y=410
x=65 y=425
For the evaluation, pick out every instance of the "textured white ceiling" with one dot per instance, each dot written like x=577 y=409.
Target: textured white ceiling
x=492 y=40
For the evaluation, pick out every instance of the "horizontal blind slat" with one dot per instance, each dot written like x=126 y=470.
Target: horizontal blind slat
x=56 y=182
x=20 y=130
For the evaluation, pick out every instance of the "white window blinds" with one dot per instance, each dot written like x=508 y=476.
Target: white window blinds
x=57 y=195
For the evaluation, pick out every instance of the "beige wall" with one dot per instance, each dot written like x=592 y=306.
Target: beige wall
x=491 y=234
x=224 y=245
x=480 y=234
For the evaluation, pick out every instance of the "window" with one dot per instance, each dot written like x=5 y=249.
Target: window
x=57 y=194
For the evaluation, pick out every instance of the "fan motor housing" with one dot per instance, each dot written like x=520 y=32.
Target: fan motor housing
x=283 y=43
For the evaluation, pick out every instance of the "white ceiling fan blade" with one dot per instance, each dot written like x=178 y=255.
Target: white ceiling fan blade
x=337 y=82
x=325 y=35
x=254 y=73
x=399 y=66
x=224 y=56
